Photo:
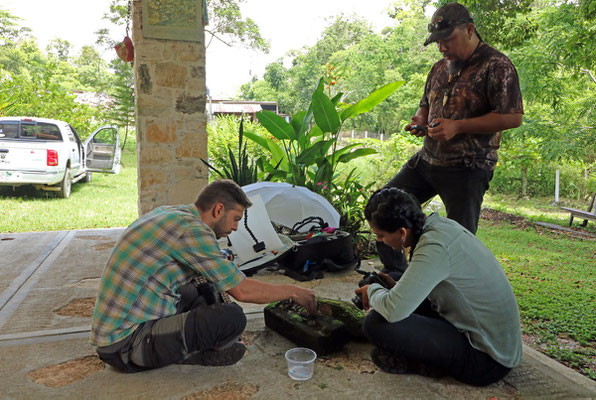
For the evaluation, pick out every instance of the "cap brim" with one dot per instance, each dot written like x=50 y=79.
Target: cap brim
x=439 y=35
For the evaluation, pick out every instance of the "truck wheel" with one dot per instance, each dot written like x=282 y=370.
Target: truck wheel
x=88 y=177
x=65 y=185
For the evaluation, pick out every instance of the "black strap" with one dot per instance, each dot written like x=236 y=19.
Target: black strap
x=306 y=221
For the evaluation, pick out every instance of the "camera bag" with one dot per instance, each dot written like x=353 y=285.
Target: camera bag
x=320 y=249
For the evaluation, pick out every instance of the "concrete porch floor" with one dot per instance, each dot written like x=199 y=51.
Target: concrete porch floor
x=47 y=287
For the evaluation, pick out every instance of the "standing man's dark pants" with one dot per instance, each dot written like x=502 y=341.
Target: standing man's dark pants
x=434 y=342
x=197 y=326
x=461 y=189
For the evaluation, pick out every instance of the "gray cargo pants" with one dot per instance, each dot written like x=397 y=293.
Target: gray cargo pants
x=197 y=325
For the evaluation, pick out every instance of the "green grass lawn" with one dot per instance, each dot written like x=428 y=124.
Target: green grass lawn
x=553 y=278
x=552 y=274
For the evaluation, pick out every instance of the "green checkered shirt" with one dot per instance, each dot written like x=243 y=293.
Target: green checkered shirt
x=158 y=253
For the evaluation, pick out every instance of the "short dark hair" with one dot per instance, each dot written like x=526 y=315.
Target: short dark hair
x=390 y=209
x=224 y=191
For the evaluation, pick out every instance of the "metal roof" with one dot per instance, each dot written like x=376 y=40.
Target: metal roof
x=234 y=108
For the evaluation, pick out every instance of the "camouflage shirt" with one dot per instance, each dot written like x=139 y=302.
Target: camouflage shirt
x=487 y=83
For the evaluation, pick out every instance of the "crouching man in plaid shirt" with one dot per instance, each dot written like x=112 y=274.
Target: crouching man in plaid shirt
x=153 y=311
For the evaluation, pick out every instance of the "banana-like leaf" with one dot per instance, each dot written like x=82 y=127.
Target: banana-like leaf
x=296 y=122
x=276 y=125
x=371 y=101
x=320 y=85
x=314 y=153
x=335 y=99
x=326 y=116
x=277 y=152
x=344 y=158
x=343 y=150
x=314 y=132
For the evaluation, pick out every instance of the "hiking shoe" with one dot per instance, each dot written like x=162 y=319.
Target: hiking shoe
x=395 y=364
x=216 y=358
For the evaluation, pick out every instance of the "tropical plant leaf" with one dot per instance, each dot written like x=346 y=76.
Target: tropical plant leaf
x=296 y=122
x=276 y=125
x=343 y=150
x=276 y=151
x=336 y=99
x=314 y=153
x=325 y=114
x=233 y=165
x=344 y=158
x=314 y=132
x=371 y=101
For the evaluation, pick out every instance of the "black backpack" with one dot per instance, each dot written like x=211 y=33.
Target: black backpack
x=320 y=249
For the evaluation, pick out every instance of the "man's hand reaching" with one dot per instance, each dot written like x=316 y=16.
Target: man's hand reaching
x=305 y=297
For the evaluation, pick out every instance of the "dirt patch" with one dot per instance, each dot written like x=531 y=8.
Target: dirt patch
x=103 y=246
x=496 y=216
x=78 y=308
x=349 y=362
x=93 y=237
x=227 y=391
x=68 y=372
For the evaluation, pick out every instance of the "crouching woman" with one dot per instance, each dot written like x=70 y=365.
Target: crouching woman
x=471 y=330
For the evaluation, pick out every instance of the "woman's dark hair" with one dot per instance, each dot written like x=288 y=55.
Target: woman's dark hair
x=223 y=191
x=390 y=209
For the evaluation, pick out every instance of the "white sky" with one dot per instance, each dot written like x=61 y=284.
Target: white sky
x=288 y=24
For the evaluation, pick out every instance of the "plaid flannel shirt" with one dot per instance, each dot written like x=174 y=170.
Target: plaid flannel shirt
x=156 y=255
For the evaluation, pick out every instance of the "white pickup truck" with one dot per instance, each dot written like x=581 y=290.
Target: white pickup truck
x=49 y=154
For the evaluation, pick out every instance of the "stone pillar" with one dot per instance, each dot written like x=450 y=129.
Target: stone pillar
x=170 y=93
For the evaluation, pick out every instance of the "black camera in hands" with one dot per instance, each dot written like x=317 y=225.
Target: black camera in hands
x=367 y=279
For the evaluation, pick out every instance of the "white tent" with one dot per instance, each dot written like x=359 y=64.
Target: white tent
x=287 y=204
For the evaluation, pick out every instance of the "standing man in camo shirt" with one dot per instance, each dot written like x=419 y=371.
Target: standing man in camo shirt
x=470 y=97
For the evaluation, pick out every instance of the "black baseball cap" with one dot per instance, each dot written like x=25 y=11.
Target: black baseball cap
x=444 y=21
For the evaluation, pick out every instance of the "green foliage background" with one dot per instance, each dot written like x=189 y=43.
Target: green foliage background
x=552 y=44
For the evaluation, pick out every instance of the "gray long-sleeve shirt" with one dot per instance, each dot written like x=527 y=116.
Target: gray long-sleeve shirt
x=466 y=285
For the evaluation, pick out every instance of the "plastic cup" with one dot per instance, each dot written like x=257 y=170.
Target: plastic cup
x=301 y=363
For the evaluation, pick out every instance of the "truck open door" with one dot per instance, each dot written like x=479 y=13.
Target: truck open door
x=102 y=150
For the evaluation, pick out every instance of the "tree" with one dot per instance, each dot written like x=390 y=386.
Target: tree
x=491 y=17
x=91 y=69
x=10 y=31
x=59 y=48
x=225 y=24
x=12 y=37
x=122 y=89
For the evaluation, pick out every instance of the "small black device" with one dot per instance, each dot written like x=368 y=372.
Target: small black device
x=369 y=278
x=421 y=128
